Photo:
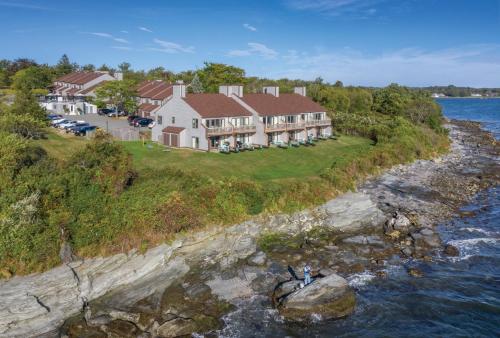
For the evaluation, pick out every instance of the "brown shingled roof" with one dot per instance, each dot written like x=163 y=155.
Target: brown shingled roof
x=155 y=90
x=215 y=105
x=285 y=104
x=147 y=107
x=173 y=130
x=80 y=78
x=91 y=88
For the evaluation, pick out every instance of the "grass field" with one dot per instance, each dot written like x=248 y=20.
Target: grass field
x=259 y=165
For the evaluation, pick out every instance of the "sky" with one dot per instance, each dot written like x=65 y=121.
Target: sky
x=360 y=42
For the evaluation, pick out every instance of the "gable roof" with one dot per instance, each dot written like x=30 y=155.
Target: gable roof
x=155 y=90
x=91 y=88
x=285 y=104
x=147 y=107
x=173 y=130
x=80 y=78
x=215 y=105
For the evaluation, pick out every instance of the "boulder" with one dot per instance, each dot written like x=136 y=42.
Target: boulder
x=258 y=259
x=176 y=328
x=330 y=297
x=451 y=250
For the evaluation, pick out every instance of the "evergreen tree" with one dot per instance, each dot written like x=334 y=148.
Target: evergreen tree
x=196 y=85
x=64 y=66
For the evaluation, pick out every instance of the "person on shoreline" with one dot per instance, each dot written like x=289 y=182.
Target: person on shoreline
x=307 y=274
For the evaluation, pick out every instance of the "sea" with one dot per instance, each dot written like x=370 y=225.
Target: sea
x=456 y=297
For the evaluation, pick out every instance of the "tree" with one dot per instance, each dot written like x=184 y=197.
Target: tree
x=32 y=78
x=391 y=100
x=64 y=66
x=104 y=68
x=124 y=67
x=160 y=73
x=88 y=68
x=338 y=84
x=25 y=117
x=118 y=94
x=215 y=74
x=196 y=85
x=361 y=100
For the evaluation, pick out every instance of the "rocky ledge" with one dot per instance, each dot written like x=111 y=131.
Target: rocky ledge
x=186 y=286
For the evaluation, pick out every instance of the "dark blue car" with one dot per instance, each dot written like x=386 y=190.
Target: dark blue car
x=82 y=131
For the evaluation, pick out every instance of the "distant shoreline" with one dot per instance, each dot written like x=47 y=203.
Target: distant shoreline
x=467 y=97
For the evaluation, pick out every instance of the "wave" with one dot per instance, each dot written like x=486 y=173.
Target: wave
x=360 y=279
x=485 y=232
x=470 y=247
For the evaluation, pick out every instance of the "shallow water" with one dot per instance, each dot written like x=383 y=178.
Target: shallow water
x=458 y=296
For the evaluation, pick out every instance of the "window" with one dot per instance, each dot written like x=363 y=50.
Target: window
x=160 y=119
x=195 y=123
x=290 y=119
x=173 y=119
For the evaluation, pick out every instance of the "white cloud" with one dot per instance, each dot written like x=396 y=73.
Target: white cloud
x=249 y=27
x=471 y=65
x=102 y=35
x=120 y=40
x=336 y=7
x=121 y=47
x=255 y=48
x=19 y=5
x=144 y=29
x=171 y=47
x=126 y=32
x=108 y=36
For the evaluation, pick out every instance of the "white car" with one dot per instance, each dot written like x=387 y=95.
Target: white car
x=69 y=124
x=58 y=121
x=152 y=124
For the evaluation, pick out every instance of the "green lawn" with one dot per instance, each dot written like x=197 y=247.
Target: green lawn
x=260 y=165
x=60 y=145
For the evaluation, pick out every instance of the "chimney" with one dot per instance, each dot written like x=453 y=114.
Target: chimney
x=118 y=76
x=273 y=90
x=179 y=89
x=230 y=90
x=300 y=90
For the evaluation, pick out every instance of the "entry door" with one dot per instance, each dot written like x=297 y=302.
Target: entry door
x=195 y=142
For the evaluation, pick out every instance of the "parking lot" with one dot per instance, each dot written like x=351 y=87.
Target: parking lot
x=116 y=126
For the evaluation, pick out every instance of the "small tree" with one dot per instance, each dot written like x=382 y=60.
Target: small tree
x=196 y=85
x=119 y=94
x=64 y=66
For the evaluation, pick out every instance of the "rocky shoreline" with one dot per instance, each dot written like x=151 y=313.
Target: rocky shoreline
x=188 y=285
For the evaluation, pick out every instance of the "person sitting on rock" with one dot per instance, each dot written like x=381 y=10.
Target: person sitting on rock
x=307 y=274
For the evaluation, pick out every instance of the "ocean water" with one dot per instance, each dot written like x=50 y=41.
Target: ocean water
x=457 y=297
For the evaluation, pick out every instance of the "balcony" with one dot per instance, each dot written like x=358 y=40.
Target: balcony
x=249 y=128
x=298 y=125
x=215 y=131
x=212 y=131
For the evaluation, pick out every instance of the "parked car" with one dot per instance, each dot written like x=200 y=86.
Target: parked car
x=131 y=119
x=82 y=130
x=69 y=124
x=142 y=122
x=77 y=125
x=54 y=117
x=55 y=123
x=152 y=124
x=112 y=114
x=122 y=113
x=105 y=111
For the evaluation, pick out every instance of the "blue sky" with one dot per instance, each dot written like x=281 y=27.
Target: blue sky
x=360 y=42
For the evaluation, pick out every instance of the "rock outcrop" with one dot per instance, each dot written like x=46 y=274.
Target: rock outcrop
x=329 y=297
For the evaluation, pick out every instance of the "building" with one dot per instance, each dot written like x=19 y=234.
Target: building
x=69 y=93
x=151 y=95
x=207 y=121
x=202 y=121
x=286 y=117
